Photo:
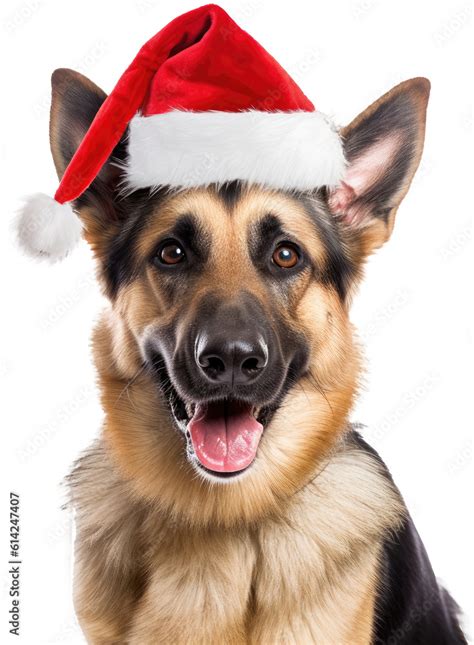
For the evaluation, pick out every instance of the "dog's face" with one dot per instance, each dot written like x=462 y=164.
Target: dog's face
x=233 y=295
x=229 y=325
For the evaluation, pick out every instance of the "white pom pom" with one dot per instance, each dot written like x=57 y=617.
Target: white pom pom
x=47 y=229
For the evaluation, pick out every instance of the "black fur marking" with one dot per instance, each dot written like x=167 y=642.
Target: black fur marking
x=411 y=607
x=230 y=193
x=264 y=237
x=187 y=231
x=179 y=279
x=339 y=270
x=121 y=265
x=263 y=234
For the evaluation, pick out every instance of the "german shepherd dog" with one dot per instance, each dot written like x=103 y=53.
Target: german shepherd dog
x=228 y=498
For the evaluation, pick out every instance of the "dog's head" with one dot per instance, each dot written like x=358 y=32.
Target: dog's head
x=228 y=355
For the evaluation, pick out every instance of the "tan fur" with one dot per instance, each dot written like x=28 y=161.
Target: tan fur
x=148 y=457
x=289 y=552
x=271 y=557
x=283 y=580
x=184 y=522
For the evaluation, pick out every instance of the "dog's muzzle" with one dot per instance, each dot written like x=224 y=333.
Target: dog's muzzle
x=224 y=374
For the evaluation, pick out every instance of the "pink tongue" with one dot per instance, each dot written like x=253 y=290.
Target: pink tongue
x=225 y=436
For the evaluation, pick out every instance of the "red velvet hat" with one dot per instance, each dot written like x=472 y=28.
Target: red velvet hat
x=203 y=103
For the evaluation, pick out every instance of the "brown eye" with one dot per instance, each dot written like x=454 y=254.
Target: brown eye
x=285 y=256
x=171 y=253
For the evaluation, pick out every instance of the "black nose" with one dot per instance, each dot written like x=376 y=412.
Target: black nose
x=224 y=359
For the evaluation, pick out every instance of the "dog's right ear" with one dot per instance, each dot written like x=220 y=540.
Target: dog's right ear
x=74 y=105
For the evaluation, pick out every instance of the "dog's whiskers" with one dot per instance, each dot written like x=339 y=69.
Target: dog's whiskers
x=128 y=385
x=314 y=381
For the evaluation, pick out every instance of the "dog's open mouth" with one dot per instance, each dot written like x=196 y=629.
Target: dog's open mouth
x=224 y=435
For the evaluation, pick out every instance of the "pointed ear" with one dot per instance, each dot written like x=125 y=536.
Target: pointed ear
x=383 y=147
x=75 y=103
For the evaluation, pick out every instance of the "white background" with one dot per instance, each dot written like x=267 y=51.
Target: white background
x=412 y=311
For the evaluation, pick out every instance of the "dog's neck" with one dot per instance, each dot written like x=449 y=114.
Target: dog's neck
x=320 y=554
x=348 y=505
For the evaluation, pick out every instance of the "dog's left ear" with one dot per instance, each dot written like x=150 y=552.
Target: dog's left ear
x=383 y=147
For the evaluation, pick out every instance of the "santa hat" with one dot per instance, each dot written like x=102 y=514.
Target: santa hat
x=203 y=103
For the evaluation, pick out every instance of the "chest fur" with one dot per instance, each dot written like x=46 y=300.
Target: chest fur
x=308 y=575
x=273 y=586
